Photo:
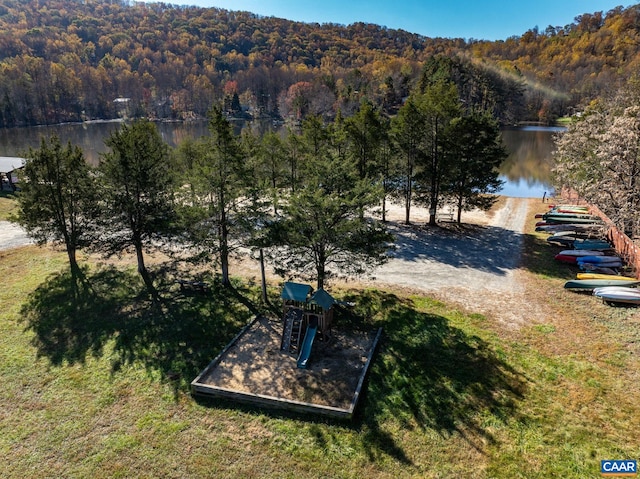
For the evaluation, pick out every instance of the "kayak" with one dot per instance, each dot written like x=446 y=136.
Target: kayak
x=616 y=294
x=582 y=253
x=566 y=258
x=592 y=220
x=571 y=210
x=591 y=284
x=605 y=268
x=594 y=268
x=568 y=207
x=592 y=244
x=573 y=227
x=599 y=259
x=603 y=276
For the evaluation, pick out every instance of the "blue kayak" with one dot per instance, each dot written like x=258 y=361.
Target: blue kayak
x=599 y=259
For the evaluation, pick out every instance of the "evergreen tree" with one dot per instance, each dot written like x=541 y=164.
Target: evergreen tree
x=322 y=229
x=365 y=131
x=271 y=166
x=58 y=197
x=407 y=131
x=322 y=232
x=218 y=179
x=474 y=155
x=138 y=186
x=438 y=105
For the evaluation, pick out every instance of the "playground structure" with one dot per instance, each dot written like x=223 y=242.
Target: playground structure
x=256 y=367
x=306 y=314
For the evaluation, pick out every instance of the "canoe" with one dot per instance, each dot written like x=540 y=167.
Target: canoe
x=604 y=276
x=591 y=284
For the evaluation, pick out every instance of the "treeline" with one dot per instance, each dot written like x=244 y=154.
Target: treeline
x=308 y=198
x=567 y=66
x=72 y=60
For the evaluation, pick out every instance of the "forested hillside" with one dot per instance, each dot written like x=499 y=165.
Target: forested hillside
x=72 y=60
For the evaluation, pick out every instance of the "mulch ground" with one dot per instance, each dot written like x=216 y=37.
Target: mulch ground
x=255 y=364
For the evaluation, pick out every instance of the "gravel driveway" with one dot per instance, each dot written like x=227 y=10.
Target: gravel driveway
x=483 y=257
x=12 y=236
x=475 y=266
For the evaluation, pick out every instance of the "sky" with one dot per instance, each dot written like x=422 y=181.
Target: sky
x=468 y=19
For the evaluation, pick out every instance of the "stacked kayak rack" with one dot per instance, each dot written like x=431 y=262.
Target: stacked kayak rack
x=581 y=237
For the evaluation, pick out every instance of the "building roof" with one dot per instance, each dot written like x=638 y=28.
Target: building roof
x=10 y=163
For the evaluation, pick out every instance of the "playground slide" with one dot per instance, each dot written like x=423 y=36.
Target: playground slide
x=305 y=351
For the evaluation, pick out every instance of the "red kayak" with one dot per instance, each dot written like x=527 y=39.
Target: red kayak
x=565 y=258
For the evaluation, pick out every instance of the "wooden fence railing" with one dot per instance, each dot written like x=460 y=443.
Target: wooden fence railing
x=624 y=246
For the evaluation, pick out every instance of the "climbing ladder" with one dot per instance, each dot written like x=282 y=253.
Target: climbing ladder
x=292 y=330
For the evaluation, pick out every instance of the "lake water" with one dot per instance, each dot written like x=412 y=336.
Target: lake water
x=526 y=170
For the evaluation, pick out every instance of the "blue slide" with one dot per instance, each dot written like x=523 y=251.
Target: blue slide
x=305 y=351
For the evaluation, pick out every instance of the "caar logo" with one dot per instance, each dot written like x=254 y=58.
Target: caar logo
x=624 y=467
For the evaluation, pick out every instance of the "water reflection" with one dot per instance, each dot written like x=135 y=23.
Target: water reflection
x=526 y=170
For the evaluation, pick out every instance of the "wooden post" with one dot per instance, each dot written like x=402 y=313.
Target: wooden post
x=263 y=277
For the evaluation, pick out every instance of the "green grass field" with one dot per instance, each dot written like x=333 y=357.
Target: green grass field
x=95 y=384
x=8 y=205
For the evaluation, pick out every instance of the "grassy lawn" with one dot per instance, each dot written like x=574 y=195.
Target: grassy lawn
x=95 y=384
x=8 y=205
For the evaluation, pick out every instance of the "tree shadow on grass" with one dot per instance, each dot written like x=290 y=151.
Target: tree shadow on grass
x=431 y=375
x=174 y=337
x=70 y=324
x=538 y=257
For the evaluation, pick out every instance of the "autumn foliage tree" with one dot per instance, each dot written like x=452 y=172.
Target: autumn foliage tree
x=66 y=60
x=599 y=157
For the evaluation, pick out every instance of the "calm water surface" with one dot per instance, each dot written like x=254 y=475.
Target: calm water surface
x=526 y=170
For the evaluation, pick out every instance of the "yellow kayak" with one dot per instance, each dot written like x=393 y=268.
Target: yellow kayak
x=604 y=276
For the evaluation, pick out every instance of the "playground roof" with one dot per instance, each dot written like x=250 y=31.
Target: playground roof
x=323 y=299
x=296 y=291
